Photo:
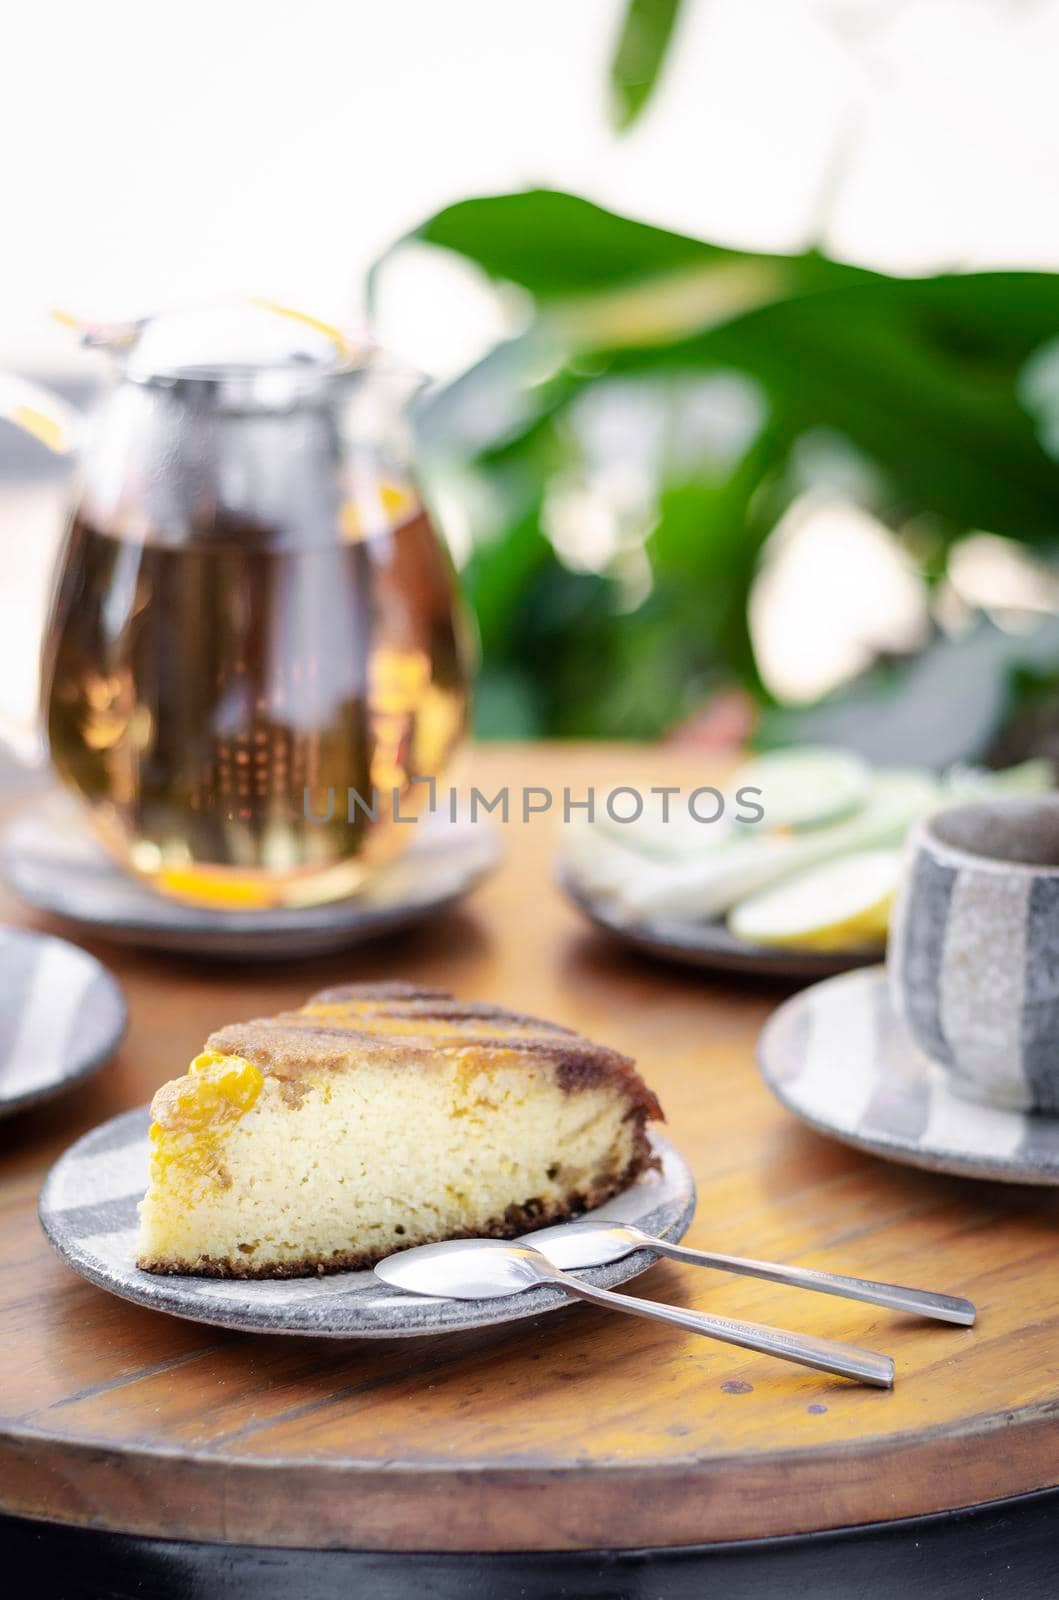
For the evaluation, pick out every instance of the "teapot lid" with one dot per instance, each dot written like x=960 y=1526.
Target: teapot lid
x=258 y=348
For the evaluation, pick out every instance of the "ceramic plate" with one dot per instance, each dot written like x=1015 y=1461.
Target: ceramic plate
x=61 y=1016
x=88 y=1210
x=841 y=1061
x=707 y=944
x=53 y=863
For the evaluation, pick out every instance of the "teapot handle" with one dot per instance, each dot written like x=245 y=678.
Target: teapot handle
x=40 y=412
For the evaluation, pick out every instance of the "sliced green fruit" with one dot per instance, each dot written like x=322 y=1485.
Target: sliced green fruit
x=754 y=861
x=840 y=905
x=806 y=786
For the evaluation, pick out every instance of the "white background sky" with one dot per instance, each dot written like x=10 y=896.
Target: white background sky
x=165 y=151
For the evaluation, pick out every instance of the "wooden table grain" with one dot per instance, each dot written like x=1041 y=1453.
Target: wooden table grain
x=577 y=1431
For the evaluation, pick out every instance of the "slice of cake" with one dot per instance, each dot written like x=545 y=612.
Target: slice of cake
x=376 y=1117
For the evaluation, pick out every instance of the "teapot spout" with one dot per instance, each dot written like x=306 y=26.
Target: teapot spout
x=40 y=412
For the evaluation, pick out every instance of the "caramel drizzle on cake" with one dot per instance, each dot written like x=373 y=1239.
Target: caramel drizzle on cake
x=380 y=1016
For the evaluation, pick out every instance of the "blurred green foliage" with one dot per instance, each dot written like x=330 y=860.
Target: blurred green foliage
x=638 y=58
x=934 y=388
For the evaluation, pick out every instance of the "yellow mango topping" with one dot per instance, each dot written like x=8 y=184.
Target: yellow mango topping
x=193 y=1112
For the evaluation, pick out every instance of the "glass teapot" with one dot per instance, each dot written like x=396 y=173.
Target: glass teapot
x=255 y=645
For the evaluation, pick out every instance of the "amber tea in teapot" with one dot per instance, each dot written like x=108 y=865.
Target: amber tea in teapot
x=252 y=609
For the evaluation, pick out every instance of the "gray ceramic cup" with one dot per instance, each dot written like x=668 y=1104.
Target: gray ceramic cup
x=974 y=949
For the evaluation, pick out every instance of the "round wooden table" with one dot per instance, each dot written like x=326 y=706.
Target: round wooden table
x=223 y=1464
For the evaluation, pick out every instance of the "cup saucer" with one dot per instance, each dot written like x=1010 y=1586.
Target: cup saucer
x=52 y=862
x=838 y=1058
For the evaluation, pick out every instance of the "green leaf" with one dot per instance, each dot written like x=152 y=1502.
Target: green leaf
x=639 y=56
x=921 y=375
x=556 y=244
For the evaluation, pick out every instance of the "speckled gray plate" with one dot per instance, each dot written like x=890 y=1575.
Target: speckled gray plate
x=52 y=862
x=61 y=1016
x=88 y=1210
x=841 y=1061
x=706 y=944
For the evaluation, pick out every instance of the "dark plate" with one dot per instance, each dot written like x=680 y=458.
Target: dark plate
x=708 y=944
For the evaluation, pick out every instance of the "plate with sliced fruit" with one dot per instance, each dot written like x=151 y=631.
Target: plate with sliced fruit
x=802 y=891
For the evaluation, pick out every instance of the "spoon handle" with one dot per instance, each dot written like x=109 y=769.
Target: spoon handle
x=845 y=1360
x=919 y=1302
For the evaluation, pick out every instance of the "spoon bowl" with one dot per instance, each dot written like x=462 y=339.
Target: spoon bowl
x=466 y=1269
x=575 y=1245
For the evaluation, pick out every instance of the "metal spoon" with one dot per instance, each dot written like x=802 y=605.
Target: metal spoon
x=594 y=1244
x=482 y=1269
